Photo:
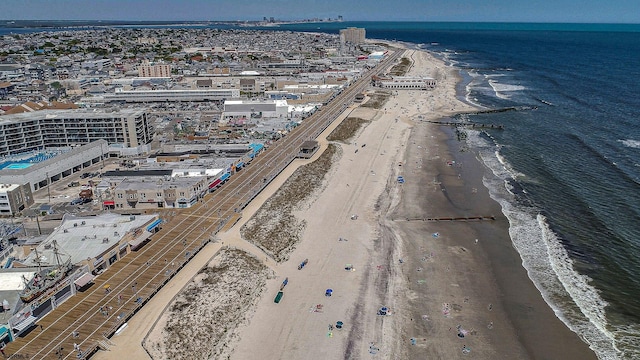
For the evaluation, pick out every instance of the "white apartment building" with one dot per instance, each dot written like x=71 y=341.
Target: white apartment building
x=62 y=128
x=98 y=64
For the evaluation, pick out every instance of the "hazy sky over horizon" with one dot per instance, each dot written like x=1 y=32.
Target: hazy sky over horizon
x=599 y=11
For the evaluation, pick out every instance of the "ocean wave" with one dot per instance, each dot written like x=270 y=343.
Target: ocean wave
x=500 y=87
x=547 y=262
x=604 y=159
x=584 y=295
x=631 y=143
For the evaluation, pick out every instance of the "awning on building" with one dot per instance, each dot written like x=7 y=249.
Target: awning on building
x=135 y=243
x=108 y=203
x=215 y=183
x=25 y=324
x=154 y=224
x=84 y=280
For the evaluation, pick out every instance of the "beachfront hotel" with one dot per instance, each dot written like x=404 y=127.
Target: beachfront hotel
x=45 y=129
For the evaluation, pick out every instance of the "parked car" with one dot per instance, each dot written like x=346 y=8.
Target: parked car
x=77 y=201
x=74 y=184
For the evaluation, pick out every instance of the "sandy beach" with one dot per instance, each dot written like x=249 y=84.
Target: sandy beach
x=453 y=289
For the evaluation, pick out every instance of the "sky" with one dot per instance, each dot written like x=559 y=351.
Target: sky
x=585 y=11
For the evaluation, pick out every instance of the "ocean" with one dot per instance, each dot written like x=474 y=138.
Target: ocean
x=566 y=166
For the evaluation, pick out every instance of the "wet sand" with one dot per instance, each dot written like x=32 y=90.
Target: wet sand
x=455 y=282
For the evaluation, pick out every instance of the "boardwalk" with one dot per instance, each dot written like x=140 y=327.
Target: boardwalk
x=138 y=276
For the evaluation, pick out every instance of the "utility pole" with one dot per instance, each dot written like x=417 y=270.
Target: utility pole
x=102 y=151
x=48 y=189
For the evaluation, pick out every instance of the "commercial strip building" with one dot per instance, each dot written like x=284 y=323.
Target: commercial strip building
x=239 y=109
x=171 y=95
x=157 y=189
x=93 y=241
x=173 y=180
x=90 y=245
x=405 y=83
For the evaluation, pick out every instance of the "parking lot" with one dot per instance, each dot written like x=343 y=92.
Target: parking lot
x=61 y=194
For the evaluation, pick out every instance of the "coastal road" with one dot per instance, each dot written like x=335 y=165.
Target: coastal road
x=96 y=315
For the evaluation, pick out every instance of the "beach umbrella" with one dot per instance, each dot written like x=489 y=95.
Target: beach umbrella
x=328 y=292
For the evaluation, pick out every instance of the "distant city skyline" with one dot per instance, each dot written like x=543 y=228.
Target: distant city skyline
x=587 y=11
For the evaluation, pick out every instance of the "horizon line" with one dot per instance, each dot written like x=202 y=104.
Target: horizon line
x=343 y=21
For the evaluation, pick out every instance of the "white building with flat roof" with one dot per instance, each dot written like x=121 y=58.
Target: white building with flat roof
x=407 y=83
x=172 y=95
x=255 y=109
x=95 y=241
x=40 y=174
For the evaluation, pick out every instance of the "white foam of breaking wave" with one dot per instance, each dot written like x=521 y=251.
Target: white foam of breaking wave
x=631 y=143
x=502 y=90
x=547 y=262
x=499 y=87
x=474 y=81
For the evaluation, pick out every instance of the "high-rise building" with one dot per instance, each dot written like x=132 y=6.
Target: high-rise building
x=352 y=35
x=157 y=70
x=44 y=129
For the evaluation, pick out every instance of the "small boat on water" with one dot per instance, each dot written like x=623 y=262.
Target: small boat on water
x=46 y=277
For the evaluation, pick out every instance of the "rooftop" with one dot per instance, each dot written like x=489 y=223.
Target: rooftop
x=65 y=114
x=84 y=237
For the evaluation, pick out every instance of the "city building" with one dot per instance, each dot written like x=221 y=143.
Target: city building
x=98 y=64
x=145 y=192
x=172 y=95
x=37 y=169
x=236 y=109
x=352 y=35
x=154 y=70
x=405 y=83
x=46 y=129
x=93 y=241
x=14 y=198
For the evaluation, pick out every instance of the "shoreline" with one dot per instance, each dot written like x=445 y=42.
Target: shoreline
x=441 y=283
x=488 y=291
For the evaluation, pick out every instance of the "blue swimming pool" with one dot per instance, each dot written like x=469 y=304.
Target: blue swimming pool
x=23 y=161
x=16 y=166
